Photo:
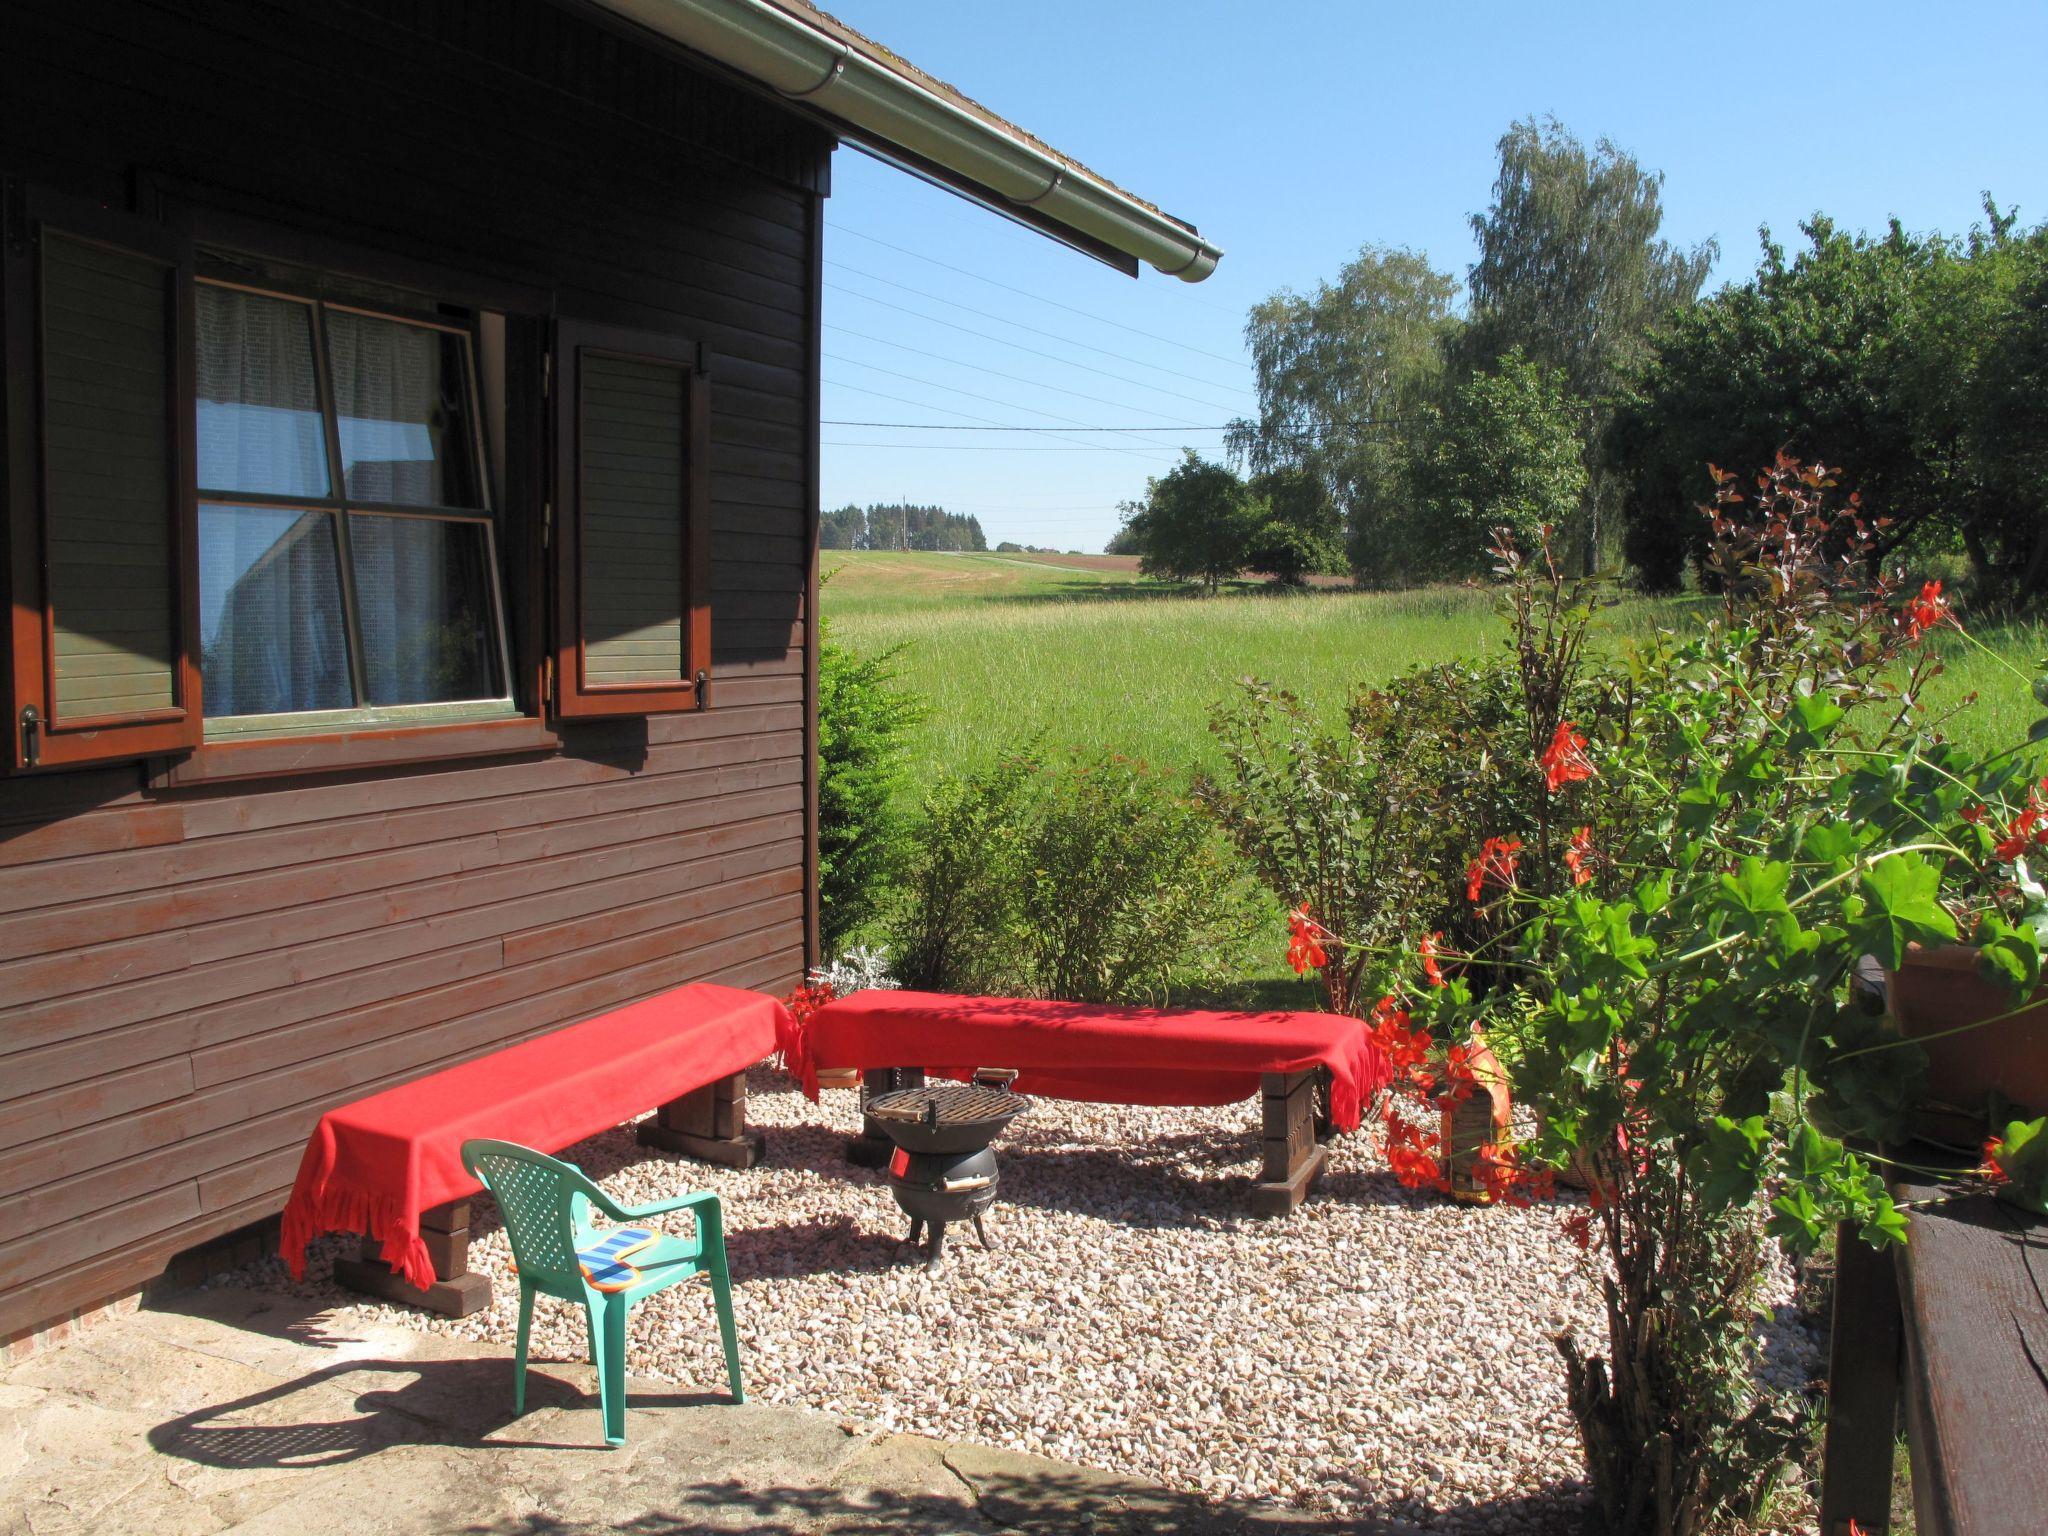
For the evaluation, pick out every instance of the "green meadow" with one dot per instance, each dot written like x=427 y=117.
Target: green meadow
x=1014 y=649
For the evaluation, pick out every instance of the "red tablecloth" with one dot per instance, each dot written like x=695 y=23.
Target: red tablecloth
x=375 y=1166
x=1085 y=1051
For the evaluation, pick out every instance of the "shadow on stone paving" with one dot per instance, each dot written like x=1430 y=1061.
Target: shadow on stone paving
x=1037 y=1504
x=446 y=1402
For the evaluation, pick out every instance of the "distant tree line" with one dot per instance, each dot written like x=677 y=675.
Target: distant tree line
x=1587 y=384
x=900 y=526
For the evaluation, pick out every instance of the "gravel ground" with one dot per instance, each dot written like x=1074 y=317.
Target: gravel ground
x=1380 y=1351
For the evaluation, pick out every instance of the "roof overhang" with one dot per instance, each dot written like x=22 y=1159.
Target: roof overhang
x=893 y=110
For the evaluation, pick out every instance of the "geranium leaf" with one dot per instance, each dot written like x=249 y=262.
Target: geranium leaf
x=1898 y=905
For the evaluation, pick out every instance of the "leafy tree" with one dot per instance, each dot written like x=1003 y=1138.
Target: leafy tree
x=1804 y=357
x=1303 y=534
x=863 y=723
x=1975 y=381
x=1196 y=523
x=1506 y=454
x=1340 y=371
x=1571 y=271
x=900 y=526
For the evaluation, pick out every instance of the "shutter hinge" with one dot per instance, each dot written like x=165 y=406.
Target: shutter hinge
x=14 y=217
x=547 y=524
x=703 y=686
x=31 y=735
x=547 y=375
x=547 y=679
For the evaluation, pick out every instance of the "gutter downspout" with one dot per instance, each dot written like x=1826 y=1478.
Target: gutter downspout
x=804 y=64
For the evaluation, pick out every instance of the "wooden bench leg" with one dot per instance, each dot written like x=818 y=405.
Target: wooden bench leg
x=709 y=1124
x=1293 y=1154
x=872 y=1147
x=455 y=1292
x=1863 y=1389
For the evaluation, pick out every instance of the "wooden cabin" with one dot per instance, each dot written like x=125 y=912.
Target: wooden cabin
x=410 y=505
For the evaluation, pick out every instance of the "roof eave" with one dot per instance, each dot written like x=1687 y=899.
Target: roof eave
x=880 y=107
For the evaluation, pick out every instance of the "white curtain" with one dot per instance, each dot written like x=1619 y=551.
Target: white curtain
x=388 y=392
x=259 y=405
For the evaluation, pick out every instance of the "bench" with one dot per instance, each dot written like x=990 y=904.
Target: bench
x=1949 y=1334
x=1312 y=1072
x=390 y=1165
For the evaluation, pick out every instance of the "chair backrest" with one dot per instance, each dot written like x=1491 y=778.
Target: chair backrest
x=537 y=1195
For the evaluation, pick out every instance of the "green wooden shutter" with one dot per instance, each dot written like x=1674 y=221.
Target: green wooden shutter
x=631 y=523
x=99 y=500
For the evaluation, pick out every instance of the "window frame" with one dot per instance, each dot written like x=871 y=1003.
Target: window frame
x=574 y=696
x=61 y=739
x=300 y=725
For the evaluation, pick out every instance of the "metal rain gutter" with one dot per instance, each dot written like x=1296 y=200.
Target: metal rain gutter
x=804 y=64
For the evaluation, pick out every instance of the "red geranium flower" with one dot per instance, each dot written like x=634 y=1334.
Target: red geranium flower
x=807 y=1000
x=1304 y=942
x=1580 y=856
x=1991 y=1168
x=1564 y=761
x=1579 y=1228
x=1496 y=863
x=1428 y=951
x=1928 y=611
x=1973 y=814
x=1411 y=1153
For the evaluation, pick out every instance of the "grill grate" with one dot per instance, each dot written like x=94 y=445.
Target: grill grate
x=957 y=1103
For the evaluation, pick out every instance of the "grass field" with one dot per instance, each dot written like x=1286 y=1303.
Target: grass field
x=1012 y=648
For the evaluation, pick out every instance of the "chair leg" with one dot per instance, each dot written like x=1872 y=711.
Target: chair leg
x=611 y=1372
x=721 y=1299
x=519 y=1355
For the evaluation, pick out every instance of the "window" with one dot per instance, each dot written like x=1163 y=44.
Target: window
x=251 y=516
x=346 y=540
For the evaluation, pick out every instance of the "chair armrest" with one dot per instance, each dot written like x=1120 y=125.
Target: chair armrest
x=619 y=1212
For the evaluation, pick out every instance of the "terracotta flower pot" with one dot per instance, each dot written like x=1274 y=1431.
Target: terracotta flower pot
x=1939 y=989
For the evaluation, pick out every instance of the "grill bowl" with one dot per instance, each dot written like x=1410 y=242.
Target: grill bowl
x=970 y=1116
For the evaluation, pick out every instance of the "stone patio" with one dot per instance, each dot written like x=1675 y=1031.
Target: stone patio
x=238 y=1411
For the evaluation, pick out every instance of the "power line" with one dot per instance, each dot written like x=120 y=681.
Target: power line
x=972 y=395
x=1065 y=362
x=975 y=447
x=964 y=416
x=981 y=224
x=994 y=373
x=934 y=426
x=1235 y=362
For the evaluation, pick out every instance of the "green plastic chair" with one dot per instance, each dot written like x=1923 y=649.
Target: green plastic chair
x=546 y=1205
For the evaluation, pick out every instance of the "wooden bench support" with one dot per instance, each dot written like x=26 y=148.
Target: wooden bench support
x=1295 y=1125
x=709 y=1124
x=1863 y=1389
x=455 y=1292
x=872 y=1147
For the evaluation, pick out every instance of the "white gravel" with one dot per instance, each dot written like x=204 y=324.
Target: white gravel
x=1380 y=1350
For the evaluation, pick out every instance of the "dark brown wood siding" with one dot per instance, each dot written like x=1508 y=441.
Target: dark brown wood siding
x=190 y=973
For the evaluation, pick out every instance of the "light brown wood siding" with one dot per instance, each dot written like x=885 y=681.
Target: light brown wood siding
x=190 y=974
x=107 y=468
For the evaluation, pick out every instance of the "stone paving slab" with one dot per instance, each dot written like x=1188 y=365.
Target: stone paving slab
x=233 y=1411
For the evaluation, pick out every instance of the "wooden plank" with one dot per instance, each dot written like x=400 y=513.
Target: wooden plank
x=243 y=1157
x=102 y=1098
x=1976 y=1331
x=339 y=1076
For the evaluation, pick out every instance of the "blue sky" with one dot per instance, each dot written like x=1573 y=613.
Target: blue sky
x=1295 y=131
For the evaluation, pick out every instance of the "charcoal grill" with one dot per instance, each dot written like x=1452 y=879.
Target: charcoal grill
x=943 y=1169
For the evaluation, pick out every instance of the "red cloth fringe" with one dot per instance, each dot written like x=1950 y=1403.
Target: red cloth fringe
x=333 y=1209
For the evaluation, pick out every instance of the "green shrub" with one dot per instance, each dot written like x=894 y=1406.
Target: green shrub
x=864 y=720
x=954 y=899
x=1092 y=879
